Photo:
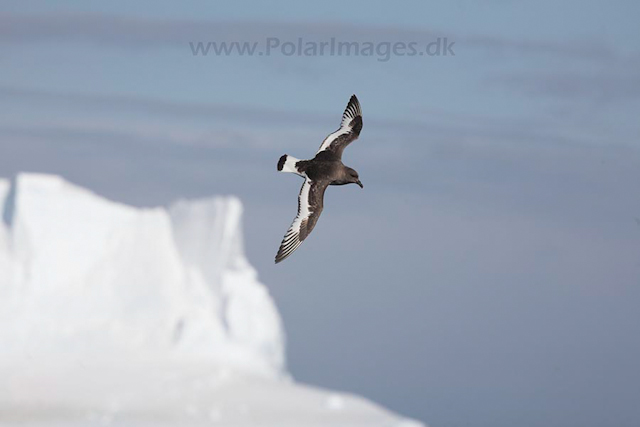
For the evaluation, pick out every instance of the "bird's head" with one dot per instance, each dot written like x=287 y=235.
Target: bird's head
x=354 y=178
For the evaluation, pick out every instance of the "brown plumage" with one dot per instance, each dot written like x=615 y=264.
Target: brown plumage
x=325 y=169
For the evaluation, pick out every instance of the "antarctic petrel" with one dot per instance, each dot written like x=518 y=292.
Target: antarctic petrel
x=324 y=169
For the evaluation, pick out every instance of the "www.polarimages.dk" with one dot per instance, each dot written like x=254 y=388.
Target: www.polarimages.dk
x=382 y=51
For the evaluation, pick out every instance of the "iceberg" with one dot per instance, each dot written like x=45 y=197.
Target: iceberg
x=116 y=315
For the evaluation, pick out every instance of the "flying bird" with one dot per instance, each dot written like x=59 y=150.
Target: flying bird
x=324 y=169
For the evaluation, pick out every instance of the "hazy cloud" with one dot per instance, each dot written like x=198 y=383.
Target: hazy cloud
x=609 y=85
x=136 y=32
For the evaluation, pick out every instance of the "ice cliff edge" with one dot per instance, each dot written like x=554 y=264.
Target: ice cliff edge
x=113 y=315
x=81 y=276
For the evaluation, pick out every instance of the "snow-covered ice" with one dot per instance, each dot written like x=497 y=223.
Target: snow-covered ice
x=114 y=315
x=85 y=275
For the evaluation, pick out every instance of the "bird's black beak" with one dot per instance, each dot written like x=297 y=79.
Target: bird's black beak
x=360 y=184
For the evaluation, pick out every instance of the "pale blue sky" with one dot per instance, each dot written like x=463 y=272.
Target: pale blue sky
x=492 y=274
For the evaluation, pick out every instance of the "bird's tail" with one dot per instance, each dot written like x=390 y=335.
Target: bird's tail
x=287 y=163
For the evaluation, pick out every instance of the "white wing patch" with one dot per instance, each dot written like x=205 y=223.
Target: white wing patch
x=291 y=240
x=332 y=137
x=352 y=111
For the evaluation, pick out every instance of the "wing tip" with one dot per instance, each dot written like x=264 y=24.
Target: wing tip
x=352 y=111
x=282 y=257
x=356 y=103
x=284 y=254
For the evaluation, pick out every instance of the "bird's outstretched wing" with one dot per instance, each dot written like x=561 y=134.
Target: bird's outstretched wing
x=310 y=203
x=348 y=132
